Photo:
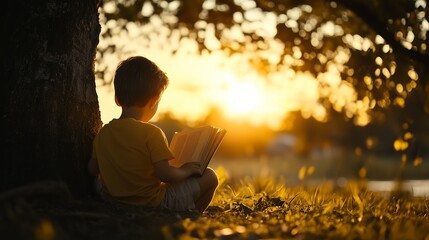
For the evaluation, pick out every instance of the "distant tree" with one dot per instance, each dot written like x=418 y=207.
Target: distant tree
x=380 y=48
x=50 y=112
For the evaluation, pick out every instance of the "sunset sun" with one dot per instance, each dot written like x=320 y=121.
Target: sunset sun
x=242 y=98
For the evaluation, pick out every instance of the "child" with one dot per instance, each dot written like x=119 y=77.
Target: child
x=130 y=156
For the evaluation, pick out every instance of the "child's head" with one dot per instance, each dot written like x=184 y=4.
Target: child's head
x=137 y=81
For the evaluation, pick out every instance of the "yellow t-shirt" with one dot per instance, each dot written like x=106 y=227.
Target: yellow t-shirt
x=125 y=150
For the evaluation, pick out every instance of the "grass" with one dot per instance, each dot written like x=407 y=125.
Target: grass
x=262 y=208
x=248 y=208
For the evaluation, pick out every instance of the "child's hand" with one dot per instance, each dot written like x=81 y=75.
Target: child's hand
x=192 y=167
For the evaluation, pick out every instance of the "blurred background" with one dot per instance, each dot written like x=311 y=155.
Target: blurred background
x=308 y=91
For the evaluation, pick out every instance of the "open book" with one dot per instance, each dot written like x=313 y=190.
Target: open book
x=196 y=145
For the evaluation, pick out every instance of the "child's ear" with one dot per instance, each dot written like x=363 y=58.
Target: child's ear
x=117 y=102
x=154 y=101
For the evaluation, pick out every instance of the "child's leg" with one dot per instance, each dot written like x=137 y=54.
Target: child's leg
x=208 y=183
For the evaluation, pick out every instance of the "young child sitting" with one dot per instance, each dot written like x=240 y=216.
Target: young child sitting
x=130 y=156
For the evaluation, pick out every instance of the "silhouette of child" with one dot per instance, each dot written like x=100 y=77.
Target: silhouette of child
x=130 y=156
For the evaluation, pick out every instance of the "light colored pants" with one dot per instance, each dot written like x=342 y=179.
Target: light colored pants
x=181 y=196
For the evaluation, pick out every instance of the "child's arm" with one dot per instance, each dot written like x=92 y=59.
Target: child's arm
x=93 y=167
x=167 y=173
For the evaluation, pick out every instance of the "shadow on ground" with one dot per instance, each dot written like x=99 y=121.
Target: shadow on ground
x=47 y=210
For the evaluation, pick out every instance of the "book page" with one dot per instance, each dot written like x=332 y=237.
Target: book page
x=188 y=145
x=213 y=146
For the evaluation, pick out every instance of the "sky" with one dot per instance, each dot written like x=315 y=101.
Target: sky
x=199 y=83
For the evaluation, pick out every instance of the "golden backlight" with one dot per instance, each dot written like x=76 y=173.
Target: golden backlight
x=200 y=82
x=242 y=99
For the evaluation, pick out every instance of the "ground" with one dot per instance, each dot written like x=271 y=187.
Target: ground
x=248 y=208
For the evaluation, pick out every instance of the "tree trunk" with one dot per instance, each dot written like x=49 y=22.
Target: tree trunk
x=50 y=111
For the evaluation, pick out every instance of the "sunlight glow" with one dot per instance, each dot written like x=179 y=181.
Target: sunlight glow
x=242 y=98
x=231 y=84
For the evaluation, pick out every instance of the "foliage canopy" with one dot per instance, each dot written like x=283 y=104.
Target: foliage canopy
x=375 y=51
x=380 y=48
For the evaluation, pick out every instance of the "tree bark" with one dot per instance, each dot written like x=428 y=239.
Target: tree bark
x=50 y=111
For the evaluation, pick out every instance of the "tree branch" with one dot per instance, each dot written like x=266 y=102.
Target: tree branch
x=369 y=17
